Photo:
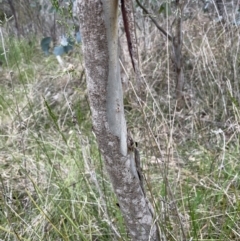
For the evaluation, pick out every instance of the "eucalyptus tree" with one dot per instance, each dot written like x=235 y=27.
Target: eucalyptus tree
x=99 y=31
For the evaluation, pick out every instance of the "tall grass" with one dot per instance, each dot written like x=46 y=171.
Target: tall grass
x=53 y=184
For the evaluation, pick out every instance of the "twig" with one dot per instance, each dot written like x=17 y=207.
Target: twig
x=170 y=38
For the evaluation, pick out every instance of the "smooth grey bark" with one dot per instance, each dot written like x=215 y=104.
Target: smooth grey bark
x=99 y=31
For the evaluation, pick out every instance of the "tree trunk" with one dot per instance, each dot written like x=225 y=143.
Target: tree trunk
x=177 y=42
x=220 y=7
x=99 y=30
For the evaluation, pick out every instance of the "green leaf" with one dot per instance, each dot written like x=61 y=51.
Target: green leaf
x=165 y=8
x=45 y=6
x=59 y=50
x=52 y=10
x=68 y=48
x=45 y=45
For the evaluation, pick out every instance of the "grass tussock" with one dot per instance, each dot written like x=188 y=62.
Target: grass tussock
x=53 y=185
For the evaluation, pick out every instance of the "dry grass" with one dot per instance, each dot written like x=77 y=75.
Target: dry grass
x=53 y=184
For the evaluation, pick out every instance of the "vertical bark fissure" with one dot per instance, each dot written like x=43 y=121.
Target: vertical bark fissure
x=99 y=30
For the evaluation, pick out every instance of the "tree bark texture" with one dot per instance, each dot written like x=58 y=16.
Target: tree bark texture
x=99 y=31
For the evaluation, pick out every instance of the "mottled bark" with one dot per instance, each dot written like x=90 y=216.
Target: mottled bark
x=99 y=30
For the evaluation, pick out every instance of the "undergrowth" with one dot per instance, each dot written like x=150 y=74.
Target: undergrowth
x=53 y=185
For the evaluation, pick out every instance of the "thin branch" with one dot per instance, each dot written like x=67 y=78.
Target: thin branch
x=12 y=7
x=127 y=31
x=170 y=38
